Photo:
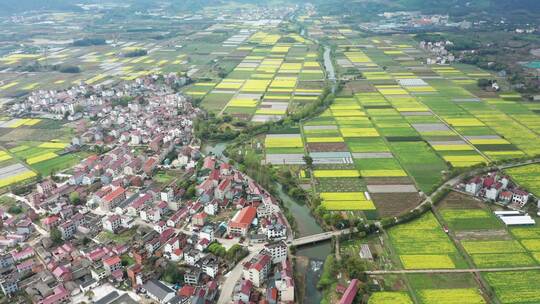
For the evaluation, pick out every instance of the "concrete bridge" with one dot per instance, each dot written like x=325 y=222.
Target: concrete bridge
x=315 y=238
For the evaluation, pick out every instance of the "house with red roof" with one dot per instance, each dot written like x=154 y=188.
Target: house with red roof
x=199 y=219
x=474 y=185
x=223 y=189
x=139 y=203
x=209 y=163
x=112 y=263
x=207 y=185
x=60 y=295
x=177 y=217
x=62 y=273
x=177 y=255
x=23 y=254
x=492 y=192
x=506 y=196
x=149 y=165
x=350 y=293
x=256 y=270
x=225 y=169
x=241 y=222
x=50 y=222
x=242 y=291
x=112 y=199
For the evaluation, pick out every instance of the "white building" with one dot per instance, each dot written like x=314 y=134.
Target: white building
x=112 y=223
x=256 y=270
x=278 y=251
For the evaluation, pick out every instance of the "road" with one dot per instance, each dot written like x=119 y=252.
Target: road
x=428 y=200
x=379 y=272
x=234 y=275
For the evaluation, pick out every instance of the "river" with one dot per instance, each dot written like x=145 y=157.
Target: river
x=306 y=225
x=329 y=67
x=316 y=254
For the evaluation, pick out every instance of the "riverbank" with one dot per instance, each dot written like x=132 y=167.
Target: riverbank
x=309 y=258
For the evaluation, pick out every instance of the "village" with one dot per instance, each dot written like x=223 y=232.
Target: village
x=497 y=187
x=105 y=231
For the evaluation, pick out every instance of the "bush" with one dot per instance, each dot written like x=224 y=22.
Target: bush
x=89 y=42
x=136 y=53
x=328 y=275
x=15 y=210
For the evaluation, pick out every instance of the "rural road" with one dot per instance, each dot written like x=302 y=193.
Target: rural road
x=375 y=272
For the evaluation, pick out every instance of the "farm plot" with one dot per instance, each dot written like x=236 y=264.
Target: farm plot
x=486 y=248
x=379 y=167
x=517 y=287
x=451 y=296
x=14 y=173
x=529 y=237
x=390 y=297
x=42 y=156
x=62 y=162
x=352 y=201
x=422 y=244
x=420 y=162
x=527 y=177
x=470 y=219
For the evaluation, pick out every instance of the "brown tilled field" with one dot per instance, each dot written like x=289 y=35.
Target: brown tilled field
x=394 y=204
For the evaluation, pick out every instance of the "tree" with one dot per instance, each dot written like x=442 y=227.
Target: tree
x=15 y=210
x=482 y=82
x=74 y=198
x=309 y=161
x=89 y=294
x=236 y=253
x=355 y=267
x=78 y=108
x=56 y=236
x=217 y=249
x=190 y=192
x=172 y=274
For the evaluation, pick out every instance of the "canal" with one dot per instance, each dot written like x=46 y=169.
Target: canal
x=312 y=255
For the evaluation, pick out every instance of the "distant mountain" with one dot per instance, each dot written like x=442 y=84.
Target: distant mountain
x=497 y=6
x=455 y=8
x=8 y=7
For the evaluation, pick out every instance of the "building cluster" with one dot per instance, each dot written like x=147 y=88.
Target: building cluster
x=108 y=223
x=267 y=277
x=97 y=102
x=438 y=52
x=497 y=187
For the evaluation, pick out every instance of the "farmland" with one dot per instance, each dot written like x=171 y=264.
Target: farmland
x=394 y=129
x=33 y=147
x=527 y=177
x=397 y=131
x=390 y=298
x=422 y=244
x=515 y=287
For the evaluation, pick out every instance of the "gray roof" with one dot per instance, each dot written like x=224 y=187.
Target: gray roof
x=158 y=289
x=178 y=300
x=124 y=299
x=108 y=298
